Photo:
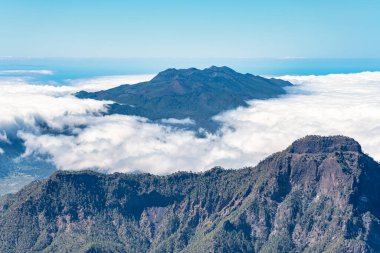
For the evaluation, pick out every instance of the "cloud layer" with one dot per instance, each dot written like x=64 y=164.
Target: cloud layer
x=345 y=104
x=108 y=82
x=21 y=104
x=26 y=72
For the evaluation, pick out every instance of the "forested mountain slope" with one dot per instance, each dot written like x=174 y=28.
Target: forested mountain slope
x=322 y=194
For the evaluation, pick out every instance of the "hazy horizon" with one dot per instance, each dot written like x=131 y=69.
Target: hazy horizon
x=62 y=70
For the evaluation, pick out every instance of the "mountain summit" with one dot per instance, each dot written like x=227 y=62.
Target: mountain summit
x=322 y=194
x=317 y=144
x=189 y=93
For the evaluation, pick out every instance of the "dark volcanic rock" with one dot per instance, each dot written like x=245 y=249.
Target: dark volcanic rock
x=189 y=93
x=322 y=194
x=317 y=144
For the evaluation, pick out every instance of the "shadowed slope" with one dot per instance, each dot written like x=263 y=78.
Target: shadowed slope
x=322 y=194
x=189 y=93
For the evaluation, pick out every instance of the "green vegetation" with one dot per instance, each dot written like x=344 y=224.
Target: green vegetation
x=189 y=93
x=324 y=200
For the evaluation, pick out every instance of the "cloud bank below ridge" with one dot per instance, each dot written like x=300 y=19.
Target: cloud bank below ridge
x=345 y=104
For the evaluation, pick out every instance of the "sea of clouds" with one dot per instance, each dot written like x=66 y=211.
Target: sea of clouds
x=80 y=137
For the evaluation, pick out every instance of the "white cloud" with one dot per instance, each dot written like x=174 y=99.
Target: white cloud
x=20 y=101
x=108 y=82
x=186 y=121
x=26 y=72
x=325 y=105
x=4 y=137
x=1 y=151
x=121 y=143
x=346 y=104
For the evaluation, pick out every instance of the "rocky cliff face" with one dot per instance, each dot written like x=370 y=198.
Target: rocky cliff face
x=322 y=194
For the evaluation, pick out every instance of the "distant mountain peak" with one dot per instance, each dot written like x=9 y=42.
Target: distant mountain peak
x=220 y=69
x=190 y=93
x=319 y=144
x=173 y=73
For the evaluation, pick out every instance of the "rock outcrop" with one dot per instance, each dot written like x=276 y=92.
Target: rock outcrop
x=322 y=194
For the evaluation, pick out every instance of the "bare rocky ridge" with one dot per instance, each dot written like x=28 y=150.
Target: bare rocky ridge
x=322 y=194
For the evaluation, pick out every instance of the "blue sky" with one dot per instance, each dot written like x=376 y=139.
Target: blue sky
x=190 y=29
